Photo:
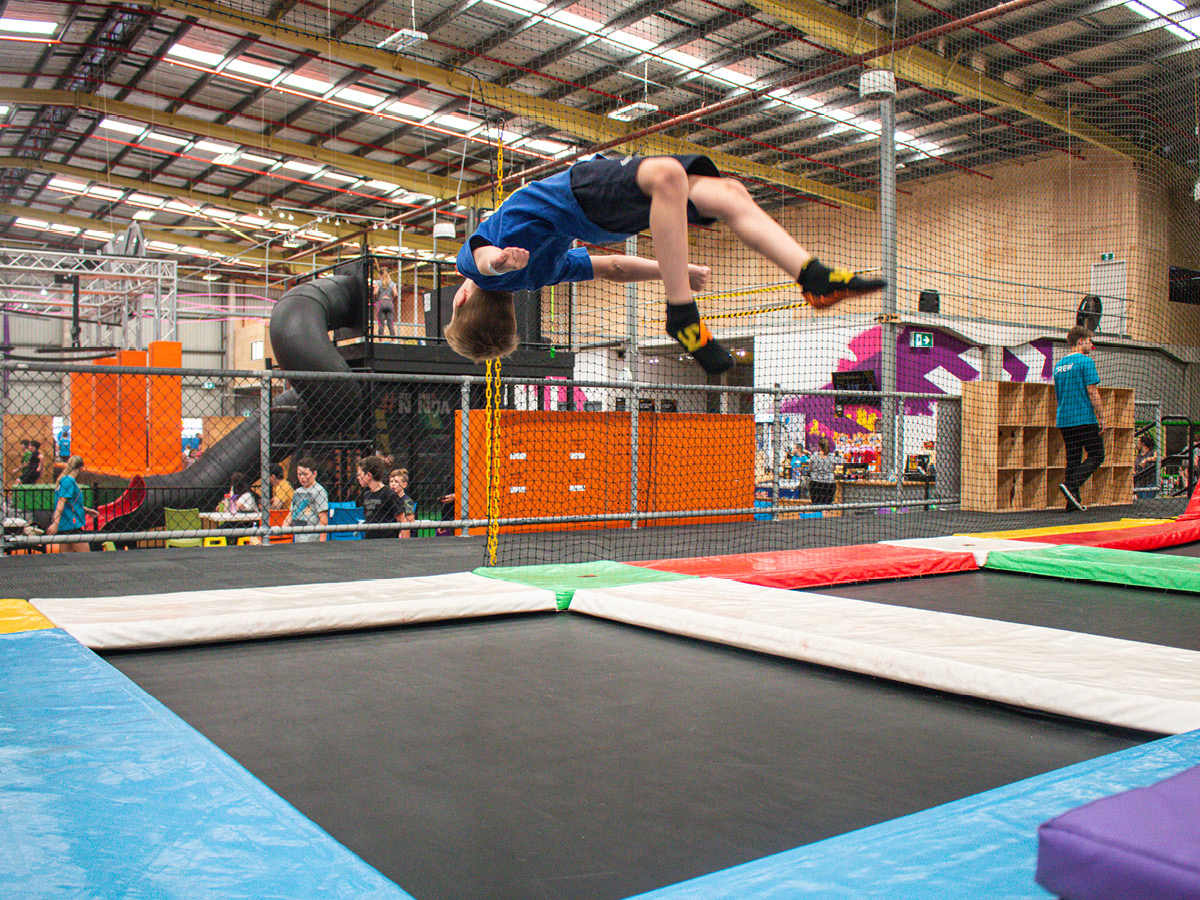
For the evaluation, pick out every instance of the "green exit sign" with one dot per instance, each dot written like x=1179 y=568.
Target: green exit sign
x=920 y=339
x=209 y=385
x=1107 y=257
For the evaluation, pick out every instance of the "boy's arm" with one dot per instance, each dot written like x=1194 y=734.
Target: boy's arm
x=490 y=260
x=638 y=268
x=1097 y=405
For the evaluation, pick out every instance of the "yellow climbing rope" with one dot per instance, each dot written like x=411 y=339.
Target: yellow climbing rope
x=491 y=443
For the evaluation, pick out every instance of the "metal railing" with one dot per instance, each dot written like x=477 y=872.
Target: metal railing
x=128 y=423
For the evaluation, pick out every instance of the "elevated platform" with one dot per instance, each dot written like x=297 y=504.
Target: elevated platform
x=413 y=356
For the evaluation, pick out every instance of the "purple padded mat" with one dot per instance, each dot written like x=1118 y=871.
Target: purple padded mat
x=1143 y=844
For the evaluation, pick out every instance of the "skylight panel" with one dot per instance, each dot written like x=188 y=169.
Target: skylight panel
x=27 y=26
x=543 y=146
x=305 y=168
x=407 y=109
x=165 y=138
x=338 y=176
x=369 y=99
x=255 y=70
x=145 y=200
x=458 y=123
x=305 y=83
x=218 y=149
x=122 y=127
x=104 y=193
x=258 y=160
x=194 y=54
x=67 y=186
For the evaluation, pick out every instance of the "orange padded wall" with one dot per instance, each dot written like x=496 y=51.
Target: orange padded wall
x=165 y=452
x=106 y=411
x=134 y=428
x=83 y=416
x=578 y=463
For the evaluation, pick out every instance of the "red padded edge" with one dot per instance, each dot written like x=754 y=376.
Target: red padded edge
x=1143 y=537
x=820 y=565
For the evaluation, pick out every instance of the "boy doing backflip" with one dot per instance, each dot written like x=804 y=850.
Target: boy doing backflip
x=526 y=245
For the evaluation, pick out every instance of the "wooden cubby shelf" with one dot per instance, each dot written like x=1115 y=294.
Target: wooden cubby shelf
x=1013 y=456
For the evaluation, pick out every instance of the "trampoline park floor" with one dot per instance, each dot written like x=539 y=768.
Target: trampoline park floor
x=542 y=755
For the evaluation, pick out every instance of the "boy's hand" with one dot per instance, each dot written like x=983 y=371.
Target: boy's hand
x=698 y=276
x=510 y=259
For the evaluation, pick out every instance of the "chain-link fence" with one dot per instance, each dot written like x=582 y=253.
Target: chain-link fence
x=185 y=457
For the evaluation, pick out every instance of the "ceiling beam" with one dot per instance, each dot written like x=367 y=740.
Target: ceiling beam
x=591 y=127
x=831 y=28
x=409 y=179
x=411 y=241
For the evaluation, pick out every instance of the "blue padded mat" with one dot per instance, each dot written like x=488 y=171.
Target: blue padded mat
x=108 y=794
x=983 y=847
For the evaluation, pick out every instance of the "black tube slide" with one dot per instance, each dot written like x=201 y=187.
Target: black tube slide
x=300 y=326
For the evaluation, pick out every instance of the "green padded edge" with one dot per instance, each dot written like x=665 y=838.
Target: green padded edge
x=566 y=578
x=1153 y=570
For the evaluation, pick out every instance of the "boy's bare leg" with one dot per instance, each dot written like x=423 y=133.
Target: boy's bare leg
x=665 y=182
x=728 y=200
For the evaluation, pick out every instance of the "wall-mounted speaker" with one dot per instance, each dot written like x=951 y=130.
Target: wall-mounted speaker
x=929 y=302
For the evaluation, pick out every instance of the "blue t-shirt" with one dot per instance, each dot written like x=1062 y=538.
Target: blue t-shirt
x=544 y=218
x=1071 y=377
x=72 y=518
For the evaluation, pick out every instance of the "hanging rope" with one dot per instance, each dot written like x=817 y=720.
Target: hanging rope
x=500 y=164
x=491 y=442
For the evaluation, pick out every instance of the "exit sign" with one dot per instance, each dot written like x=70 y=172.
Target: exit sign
x=1107 y=257
x=920 y=339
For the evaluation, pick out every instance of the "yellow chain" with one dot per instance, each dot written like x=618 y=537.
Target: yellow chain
x=492 y=451
x=500 y=167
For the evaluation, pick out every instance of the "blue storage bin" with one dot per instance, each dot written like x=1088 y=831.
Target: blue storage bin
x=345 y=514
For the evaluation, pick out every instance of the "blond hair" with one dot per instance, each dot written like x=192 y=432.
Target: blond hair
x=484 y=328
x=74 y=464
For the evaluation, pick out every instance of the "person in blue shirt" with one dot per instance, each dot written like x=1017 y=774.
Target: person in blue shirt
x=1080 y=413
x=69 y=512
x=526 y=245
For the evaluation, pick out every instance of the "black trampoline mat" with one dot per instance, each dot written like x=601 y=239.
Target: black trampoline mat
x=1169 y=618
x=558 y=756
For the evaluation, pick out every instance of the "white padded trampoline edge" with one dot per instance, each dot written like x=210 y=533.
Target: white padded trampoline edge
x=171 y=619
x=1133 y=700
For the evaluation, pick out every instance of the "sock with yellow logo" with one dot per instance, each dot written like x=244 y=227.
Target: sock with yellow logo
x=684 y=324
x=823 y=286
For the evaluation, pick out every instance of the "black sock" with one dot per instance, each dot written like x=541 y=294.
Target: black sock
x=683 y=324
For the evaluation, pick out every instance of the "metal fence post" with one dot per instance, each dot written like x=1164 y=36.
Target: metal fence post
x=634 y=403
x=264 y=448
x=777 y=444
x=464 y=453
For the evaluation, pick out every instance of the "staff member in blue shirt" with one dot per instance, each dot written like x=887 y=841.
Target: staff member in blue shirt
x=1080 y=413
x=526 y=245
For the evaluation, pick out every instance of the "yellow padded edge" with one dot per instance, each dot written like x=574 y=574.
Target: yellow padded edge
x=1069 y=529
x=18 y=615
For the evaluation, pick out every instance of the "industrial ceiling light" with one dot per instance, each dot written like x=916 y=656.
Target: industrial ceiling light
x=632 y=111
x=402 y=39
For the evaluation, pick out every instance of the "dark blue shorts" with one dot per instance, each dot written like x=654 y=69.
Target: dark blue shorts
x=607 y=191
